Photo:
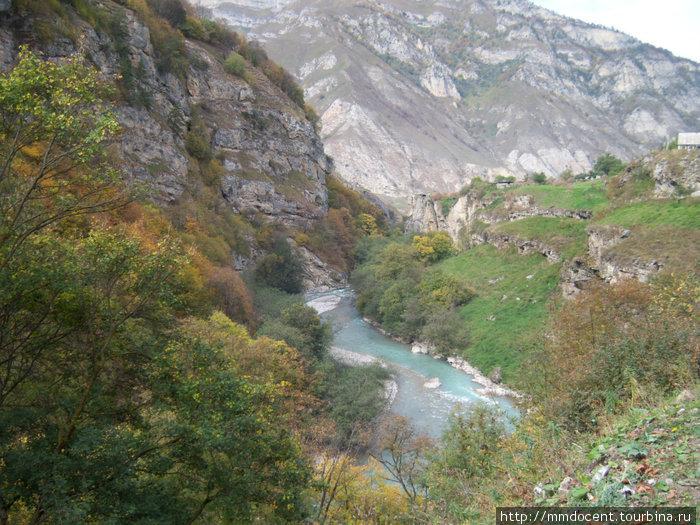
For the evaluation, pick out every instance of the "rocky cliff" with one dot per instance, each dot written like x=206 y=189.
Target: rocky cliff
x=640 y=223
x=269 y=162
x=421 y=96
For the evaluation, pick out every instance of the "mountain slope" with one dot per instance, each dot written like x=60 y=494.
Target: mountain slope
x=426 y=95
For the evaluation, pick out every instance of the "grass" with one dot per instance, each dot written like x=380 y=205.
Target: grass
x=677 y=249
x=565 y=235
x=684 y=214
x=517 y=303
x=588 y=195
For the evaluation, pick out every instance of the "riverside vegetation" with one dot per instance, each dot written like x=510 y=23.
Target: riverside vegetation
x=145 y=381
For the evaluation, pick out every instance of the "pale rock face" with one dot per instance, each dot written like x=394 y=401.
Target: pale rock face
x=316 y=274
x=325 y=62
x=643 y=123
x=438 y=82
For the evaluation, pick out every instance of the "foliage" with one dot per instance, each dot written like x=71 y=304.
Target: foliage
x=53 y=129
x=404 y=455
x=348 y=492
x=281 y=268
x=626 y=340
x=235 y=64
x=111 y=408
x=197 y=141
x=356 y=396
x=539 y=178
x=301 y=327
x=608 y=164
x=395 y=288
x=433 y=247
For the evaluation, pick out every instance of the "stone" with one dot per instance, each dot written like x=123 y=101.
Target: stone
x=421 y=347
x=496 y=375
x=433 y=384
x=600 y=474
x=566 y=485
x=685 y=396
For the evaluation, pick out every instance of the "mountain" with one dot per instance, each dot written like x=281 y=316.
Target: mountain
x=424 y=95
x=229 y=152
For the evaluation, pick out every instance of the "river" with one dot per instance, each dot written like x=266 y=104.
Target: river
x=427 y=408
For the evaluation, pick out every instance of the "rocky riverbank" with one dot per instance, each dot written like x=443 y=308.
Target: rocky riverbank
x=489 y=387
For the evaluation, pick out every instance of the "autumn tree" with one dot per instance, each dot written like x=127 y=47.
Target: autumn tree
x=403 y=453
x=53 y=129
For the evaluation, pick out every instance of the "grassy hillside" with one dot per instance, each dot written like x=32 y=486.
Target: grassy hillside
x=510 y=306
x=588 y=195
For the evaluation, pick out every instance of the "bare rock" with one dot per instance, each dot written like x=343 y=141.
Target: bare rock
x=433 y=384
x=496 y=375
x=686 y=396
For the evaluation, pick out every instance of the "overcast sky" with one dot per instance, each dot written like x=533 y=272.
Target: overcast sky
x=670 y=24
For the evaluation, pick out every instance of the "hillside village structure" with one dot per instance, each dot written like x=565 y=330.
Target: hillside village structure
x=689 y=141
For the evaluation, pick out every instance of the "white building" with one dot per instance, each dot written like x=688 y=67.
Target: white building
x=689 y=141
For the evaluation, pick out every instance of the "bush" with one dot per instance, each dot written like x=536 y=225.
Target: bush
x=197 y=142
x=608 y=164
x=235 y=64
x=539 y=178
x=280 y=269
x=612 y=341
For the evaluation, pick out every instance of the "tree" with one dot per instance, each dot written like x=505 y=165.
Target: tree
x=235 y=64
x=75 y=345
x=301 y=327
x=433 y=247
x=53 y=129
x=608 y=164
x=280 y=269
x=403 y=453
x=539 y=178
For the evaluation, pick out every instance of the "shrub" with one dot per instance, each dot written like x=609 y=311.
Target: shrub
x=539 y=178
x=197 y=142
x=280 y=269
x=610 y=341
x=235 y=64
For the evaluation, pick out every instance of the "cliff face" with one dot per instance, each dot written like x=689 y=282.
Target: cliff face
x=421 y=96
x=273 y=166
x=273 y=159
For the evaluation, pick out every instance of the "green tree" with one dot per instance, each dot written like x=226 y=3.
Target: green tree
x=608 y=164
x=302 y=328
x=53 y=128
x=539 y=178
x=235 y=64
x=75 y=354
x=280 y=269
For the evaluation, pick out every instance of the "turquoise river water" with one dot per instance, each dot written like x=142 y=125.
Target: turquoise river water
x=427 y=408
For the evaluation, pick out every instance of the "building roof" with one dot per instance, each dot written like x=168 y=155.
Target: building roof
x=688 y=139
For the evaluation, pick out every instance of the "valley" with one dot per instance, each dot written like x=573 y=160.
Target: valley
x=210 y=314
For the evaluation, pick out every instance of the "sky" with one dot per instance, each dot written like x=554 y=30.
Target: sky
x=670 y=24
